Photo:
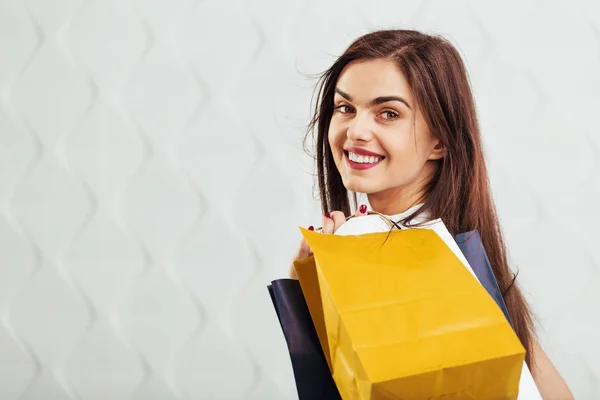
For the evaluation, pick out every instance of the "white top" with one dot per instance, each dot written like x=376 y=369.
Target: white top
x=398 y=217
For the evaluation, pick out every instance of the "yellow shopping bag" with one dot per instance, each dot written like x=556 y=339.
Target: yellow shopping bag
x=400 y=317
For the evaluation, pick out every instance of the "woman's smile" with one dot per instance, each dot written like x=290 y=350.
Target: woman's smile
x=361 y=159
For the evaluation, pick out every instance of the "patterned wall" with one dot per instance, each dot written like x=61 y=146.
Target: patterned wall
x=152 y=179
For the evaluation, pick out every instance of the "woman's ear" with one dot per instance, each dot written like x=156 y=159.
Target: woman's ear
x=438 y=152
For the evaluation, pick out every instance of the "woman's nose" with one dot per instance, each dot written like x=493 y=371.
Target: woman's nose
x=360 y=128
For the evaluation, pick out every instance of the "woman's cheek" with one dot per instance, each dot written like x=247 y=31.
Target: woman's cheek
x=335 y=136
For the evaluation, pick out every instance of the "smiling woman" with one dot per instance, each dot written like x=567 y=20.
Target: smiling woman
x=396 y=120
x=368 y=120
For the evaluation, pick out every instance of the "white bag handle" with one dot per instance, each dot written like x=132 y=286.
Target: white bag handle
x=390 y=223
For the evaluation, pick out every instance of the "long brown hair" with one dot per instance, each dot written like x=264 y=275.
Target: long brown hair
x=459 y=192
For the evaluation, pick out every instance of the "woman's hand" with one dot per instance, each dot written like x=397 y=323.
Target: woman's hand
x=330 y=224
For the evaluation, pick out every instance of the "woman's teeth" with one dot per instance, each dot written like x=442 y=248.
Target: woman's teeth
x=364 y=159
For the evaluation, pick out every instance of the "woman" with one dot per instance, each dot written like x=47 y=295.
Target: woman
x=396 y=120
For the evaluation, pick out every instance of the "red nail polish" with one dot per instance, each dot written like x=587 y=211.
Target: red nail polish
x=363 y=209
x=311 y=228
x=327 y=215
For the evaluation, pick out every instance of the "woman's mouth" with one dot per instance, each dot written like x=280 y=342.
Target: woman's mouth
x=360 y=161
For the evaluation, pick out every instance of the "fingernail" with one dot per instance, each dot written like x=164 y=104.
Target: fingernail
x=327 y=215
x=311 y=228
x=363 y=209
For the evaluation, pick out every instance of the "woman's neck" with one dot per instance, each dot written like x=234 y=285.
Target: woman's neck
x=394 y=201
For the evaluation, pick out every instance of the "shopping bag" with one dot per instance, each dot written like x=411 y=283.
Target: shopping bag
x=311 y=372
x=419 y=328
x=471 y=246
x=313 y=380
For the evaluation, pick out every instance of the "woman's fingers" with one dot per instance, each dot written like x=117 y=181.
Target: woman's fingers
x=361 y=210
x=328 y=224
x=332 y=222
x=305 y=250
x=338 y=218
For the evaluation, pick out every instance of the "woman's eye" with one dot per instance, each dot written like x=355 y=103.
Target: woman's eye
x=389 y=115
x=344 y=109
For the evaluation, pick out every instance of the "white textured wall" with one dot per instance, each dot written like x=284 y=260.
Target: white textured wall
x=152 y=178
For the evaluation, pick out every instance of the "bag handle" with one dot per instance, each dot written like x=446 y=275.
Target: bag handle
x=390 y=223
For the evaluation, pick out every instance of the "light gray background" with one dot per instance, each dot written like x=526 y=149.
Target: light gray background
x=152 y=179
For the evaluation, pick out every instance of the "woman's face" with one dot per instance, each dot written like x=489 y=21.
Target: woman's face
x=380 y=142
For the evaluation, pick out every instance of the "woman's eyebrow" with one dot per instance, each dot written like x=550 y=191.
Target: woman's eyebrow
x=377 y=100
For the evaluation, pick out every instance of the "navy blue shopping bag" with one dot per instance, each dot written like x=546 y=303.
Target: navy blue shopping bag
x=471 y=246
x=311 y=372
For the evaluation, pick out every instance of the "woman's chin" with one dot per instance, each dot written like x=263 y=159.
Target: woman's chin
x=358 y=185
